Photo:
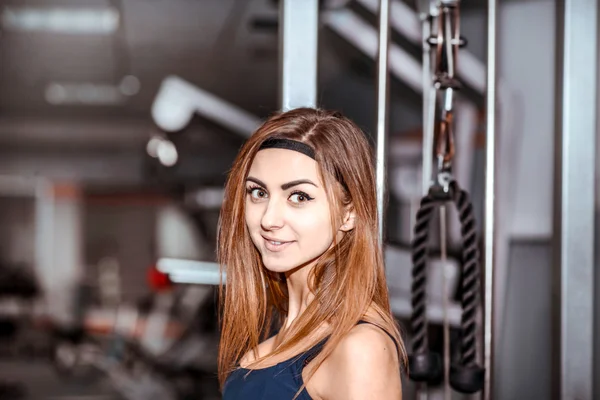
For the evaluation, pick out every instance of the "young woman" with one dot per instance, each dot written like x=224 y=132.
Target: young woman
x=298 y=237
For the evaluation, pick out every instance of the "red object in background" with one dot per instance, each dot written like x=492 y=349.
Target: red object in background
x=157 y=280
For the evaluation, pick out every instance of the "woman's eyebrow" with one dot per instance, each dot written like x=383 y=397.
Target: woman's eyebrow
x=257 y=181
x=297 y=182
x=285 y=186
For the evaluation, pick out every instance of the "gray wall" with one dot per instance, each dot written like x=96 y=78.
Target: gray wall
x=125 y=232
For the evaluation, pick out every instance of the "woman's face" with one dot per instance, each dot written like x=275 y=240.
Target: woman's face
x=287 y=211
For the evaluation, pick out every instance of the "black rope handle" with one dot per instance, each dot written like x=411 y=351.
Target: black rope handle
x=424 y=365
x=418 y=320
x=466 y=376
x=470 y=275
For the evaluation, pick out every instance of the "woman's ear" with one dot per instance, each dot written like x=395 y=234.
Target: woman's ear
x=349 y=219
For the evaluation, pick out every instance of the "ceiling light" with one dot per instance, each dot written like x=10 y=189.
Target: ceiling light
x=99 y=21
x=130 y=85
x=86 y=93
x=167 y=153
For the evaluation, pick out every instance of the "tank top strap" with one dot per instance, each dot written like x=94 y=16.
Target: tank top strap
x=310 y=354
x=314 y=351
x=386 y=332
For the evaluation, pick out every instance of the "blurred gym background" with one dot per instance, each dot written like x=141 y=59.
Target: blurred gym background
x=100 y=201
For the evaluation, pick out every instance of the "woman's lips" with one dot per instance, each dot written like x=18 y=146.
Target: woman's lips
x=276 y=246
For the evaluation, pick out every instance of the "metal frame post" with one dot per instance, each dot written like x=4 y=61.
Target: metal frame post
x=490 y=184
x=382 y=111
x=298 y=39
x=576 y=108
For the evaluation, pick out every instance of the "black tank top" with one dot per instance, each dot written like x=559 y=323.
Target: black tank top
x=278 y=382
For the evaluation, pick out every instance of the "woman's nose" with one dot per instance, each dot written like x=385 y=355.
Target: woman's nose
x=273 y=218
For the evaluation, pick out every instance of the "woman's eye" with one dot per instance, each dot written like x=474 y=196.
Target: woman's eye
x=300 y=197
x=257 y=193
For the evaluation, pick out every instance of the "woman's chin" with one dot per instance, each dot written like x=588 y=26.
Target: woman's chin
x=277 y=267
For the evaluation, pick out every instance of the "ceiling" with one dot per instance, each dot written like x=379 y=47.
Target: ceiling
x=211 y=43
x=207 y=42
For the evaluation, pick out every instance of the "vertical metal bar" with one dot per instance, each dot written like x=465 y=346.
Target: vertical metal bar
x=425 y=9
x=429 y=98
x=298 y=53
x=382 y=108
x=576 y=107
x=490 y=182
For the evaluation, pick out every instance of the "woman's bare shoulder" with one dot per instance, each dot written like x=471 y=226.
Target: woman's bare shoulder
x=366 y=343
x=364 y=365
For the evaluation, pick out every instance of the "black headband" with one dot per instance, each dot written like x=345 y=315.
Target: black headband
x=289 y=144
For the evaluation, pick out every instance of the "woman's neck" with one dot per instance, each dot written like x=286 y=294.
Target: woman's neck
x=299 y=295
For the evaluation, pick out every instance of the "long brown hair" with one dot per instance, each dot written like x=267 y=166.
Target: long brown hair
x=347 y=280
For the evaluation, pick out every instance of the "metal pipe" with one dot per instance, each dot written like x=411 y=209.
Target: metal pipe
x=406 y=22
x=358 y=32
x=429 y=100
x=382 y=114
x=428 y=108
x=490 y=182
x=298 y=53
x=576 y=109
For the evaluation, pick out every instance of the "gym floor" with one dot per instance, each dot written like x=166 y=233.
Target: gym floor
x=41 y=382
